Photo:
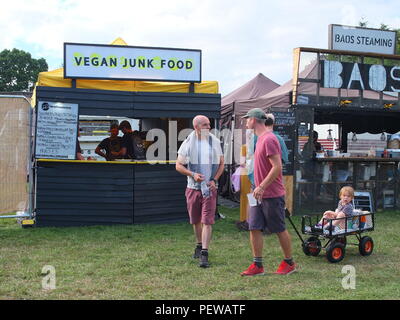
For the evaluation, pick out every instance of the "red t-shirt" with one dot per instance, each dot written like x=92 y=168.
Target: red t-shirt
x=267 y=145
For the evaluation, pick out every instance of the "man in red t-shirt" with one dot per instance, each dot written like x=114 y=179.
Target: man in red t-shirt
x=269 y=213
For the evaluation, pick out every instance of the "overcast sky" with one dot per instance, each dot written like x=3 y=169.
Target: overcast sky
x=238 y=39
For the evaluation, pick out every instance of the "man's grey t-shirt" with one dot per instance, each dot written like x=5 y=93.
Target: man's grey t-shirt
x=204 y=158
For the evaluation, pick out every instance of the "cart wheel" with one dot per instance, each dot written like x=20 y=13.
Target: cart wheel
x=312 y=246
x=335 y=252
x=341 y=240
x=366 y=246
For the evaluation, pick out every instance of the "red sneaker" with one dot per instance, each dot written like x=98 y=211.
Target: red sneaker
x=253 y=270
x=285 y=268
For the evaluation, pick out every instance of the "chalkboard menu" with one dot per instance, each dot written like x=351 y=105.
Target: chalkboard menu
x=285 y=126
x=56 y=130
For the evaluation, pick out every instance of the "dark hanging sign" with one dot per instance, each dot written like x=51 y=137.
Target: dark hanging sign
x=347 y=75
x=285 y=126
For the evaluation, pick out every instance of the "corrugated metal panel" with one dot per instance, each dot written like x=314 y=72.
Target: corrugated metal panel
x=159 y=194
x=135 y=104
x=78 y=194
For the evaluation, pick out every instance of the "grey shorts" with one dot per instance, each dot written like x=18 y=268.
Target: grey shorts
x=269 y=216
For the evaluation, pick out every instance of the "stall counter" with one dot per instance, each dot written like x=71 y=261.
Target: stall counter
x=77 y=193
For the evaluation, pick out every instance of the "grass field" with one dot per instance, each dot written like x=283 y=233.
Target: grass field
x=154 y=262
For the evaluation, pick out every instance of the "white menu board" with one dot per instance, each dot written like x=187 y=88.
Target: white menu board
x=56 y=130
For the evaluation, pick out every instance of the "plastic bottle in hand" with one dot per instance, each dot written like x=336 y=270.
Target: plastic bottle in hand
x=205 y=190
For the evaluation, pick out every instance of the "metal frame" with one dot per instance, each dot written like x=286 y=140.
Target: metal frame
x=28 y=214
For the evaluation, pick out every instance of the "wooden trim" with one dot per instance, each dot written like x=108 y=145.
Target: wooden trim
x=296 y=66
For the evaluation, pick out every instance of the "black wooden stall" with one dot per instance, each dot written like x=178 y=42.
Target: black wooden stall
x=77 y=193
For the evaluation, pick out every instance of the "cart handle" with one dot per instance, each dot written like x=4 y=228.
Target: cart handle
x=287 y=213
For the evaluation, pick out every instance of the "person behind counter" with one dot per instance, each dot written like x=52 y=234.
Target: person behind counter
x=311 y=147
x=132 y=143
x=112 y=145
x=310 y=169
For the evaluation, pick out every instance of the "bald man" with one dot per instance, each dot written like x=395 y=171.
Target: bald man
x=200 y=158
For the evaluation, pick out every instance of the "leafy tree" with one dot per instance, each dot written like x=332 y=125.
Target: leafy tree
x=384 y=27
x=18 y=70
x=363 y=23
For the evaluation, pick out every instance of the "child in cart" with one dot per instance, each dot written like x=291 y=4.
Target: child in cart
x=345 y=209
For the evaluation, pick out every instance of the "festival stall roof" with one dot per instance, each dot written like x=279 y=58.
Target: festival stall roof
x=328 y=110
x=55 y=78
x=133 y=99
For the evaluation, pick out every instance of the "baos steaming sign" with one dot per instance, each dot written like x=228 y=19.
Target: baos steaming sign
x=362 y=39
x=94 y=61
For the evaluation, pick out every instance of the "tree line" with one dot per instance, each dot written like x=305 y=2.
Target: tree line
x=19 y=71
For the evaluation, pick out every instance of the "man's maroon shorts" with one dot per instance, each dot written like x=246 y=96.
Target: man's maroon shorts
x=201 y=209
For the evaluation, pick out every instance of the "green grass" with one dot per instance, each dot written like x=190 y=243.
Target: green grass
x=154 y=262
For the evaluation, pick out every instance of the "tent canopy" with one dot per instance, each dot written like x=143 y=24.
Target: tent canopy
x=256 y=87
x=231 y=105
